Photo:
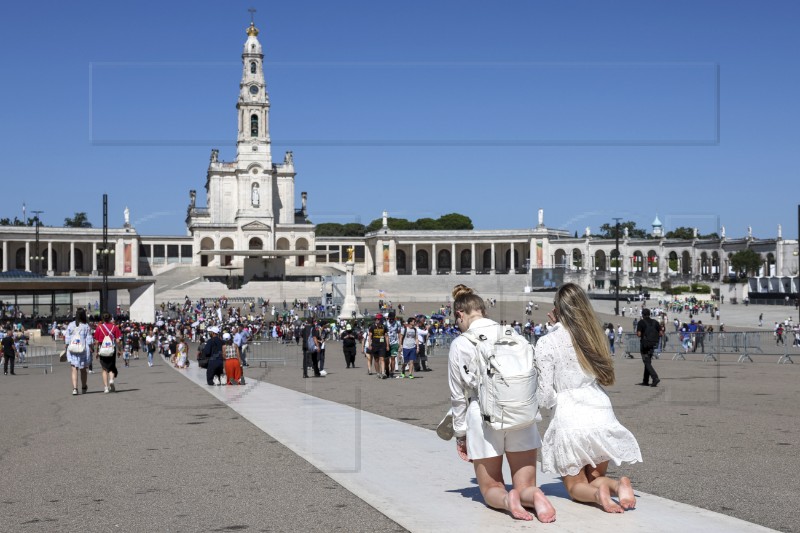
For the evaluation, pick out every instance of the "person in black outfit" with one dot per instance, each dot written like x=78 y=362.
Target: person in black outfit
x=9 y=351
x=310 y=358
x=213 y=350
x=349 y=346
x=649 y=332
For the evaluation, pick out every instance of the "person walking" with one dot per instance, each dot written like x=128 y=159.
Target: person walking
x=150 y=345
x=107 y=337
x=649 y=333
x=410 y=343
x=310 y=358
x=349 y=339
x=79 y=359
x=584 y=435
x=479 y=442
x=9 y=351
x=378 y=340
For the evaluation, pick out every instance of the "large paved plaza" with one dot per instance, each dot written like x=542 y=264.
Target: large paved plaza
x=163 y=454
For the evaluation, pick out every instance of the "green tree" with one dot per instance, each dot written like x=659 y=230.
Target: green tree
x=688 y=234
x=608 y=231
x=680 y=233
x=427 y=224
x=80 y=220
x=333 y=229
x=354 y=229
x=454 y=221
x=17 y=222
x=746 y=262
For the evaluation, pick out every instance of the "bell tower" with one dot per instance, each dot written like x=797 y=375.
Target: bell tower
x=253 y=143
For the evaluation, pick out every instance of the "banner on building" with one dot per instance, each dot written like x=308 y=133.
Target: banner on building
x=127 y=267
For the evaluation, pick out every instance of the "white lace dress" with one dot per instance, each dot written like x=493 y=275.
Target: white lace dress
x=584 y=430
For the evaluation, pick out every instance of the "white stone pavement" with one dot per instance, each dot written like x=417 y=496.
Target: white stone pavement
x=432 y=489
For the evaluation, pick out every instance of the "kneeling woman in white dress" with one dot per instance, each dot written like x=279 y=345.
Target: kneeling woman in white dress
x=584 y=435
x=479 y=442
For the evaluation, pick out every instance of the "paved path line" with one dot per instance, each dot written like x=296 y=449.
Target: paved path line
x=416 y=479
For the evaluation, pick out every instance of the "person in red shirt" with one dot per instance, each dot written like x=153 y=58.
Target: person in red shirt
x=107 y=353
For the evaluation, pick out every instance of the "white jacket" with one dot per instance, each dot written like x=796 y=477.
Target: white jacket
x=461 y=353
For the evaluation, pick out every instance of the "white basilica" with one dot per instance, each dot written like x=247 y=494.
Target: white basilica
x=251 y=227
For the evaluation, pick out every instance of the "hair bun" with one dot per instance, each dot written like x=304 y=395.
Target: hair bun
x=461 y=290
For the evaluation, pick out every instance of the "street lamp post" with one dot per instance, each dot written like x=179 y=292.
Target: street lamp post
x=37 y=257
x=616 y=265
x=104 y=252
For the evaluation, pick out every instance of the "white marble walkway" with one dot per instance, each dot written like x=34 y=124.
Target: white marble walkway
x=437 y=492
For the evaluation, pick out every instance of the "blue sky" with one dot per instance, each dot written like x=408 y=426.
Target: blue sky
x=589 y=110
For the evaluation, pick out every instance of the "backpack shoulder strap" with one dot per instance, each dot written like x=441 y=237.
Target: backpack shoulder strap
x=471 y=337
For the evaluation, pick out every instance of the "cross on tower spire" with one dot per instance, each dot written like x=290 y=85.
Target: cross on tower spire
x=252 y=11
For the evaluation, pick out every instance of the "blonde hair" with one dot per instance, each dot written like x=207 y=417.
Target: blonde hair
x=466 y=301
x=591 y=345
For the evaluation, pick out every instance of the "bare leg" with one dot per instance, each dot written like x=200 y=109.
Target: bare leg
x=583 y=490
x=74 y=377
x=625 y=493
x=523 y=473
x=622 y=487
x=490 y=480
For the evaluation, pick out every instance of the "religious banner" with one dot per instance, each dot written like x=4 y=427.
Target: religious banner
x=386 y=258
x=127 y=267
x=539 y=254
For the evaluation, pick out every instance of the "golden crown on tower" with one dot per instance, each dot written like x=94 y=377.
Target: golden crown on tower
x=252 y=31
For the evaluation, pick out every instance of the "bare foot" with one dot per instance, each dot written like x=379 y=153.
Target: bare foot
x=515 y=507
x=603 y=498
x=545 y=512
x=625 y=492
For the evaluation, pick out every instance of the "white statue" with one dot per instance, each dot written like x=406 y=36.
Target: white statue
x=127 y=215
x=694 y=233
x=722 y=232
x=780 y=232
x=385 y=219
x=625 y=231
x=254 y=197
x=588 y=231
x=541 y=217
x=749 y=232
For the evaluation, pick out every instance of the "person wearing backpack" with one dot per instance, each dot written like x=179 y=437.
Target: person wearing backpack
x=477 y=439
x=649 y=332
x=584 y=435
x=150 y=345
x=78 y=341
x=107 y=337
x=311 y=342
x=213 y=352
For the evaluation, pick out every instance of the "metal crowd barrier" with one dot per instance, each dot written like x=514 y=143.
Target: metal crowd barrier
x=38 y=357
x=743 y=344
x=767 y=343
x=270 y=352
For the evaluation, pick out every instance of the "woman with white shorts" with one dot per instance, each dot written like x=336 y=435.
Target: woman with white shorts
x=479 y=443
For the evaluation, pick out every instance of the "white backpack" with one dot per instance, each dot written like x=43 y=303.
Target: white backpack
x=77 y=345
x=107 y=346
x=504 y=374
